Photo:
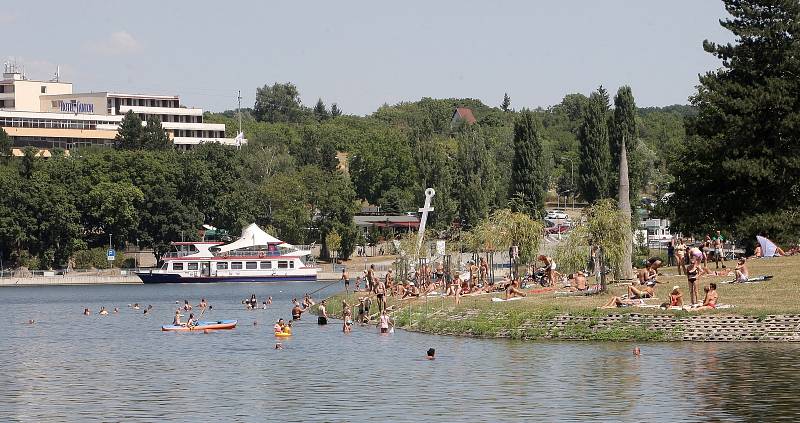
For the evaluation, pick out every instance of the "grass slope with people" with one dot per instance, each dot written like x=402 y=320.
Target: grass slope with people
x=479 y=316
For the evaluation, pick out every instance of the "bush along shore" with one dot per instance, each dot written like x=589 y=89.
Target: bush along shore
x=760 y=312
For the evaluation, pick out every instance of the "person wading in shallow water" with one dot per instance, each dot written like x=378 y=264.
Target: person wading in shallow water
x=323 y=314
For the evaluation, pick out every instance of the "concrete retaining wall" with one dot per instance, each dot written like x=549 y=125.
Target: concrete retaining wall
x=711 y=328
x=71 y=280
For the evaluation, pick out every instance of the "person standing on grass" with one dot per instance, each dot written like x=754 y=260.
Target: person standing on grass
x=692 y=273
x=671 y=252
x=346 y=279
x=680 y=254
x=719 y=253
x=389 y=281
x=371 y=278
x=380 y=291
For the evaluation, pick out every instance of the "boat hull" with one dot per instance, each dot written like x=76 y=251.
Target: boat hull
x=213 y=325
x=148 y=277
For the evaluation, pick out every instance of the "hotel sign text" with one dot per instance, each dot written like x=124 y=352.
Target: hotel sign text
x=76 y=107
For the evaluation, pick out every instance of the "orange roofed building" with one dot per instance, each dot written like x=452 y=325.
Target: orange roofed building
x=462 y=114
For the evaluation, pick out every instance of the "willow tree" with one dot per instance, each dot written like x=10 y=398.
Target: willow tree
x=505 y=228
x=604 y=227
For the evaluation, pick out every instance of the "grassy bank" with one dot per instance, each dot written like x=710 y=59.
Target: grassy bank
x=545 y=315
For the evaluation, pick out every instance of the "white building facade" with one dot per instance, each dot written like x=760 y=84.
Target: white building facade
x=47 y=114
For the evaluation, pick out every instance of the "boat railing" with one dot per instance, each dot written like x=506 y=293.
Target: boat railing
x=176 y=254
x=248 y=253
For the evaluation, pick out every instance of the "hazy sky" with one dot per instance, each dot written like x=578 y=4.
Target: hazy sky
x=362 y=54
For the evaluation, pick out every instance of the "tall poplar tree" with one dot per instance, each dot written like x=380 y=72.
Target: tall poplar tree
x=623 y=127
x=743 y=157
x=528 y=179
x=476 y=167
x=595 y=157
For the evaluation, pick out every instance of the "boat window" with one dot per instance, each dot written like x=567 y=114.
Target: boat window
x=291 y=264
x=251 y=265
x=283 y=264
x=223 y=265
x=236 y=265
x=192 y=266
x=177 y=266
x=164 y=266
x=266 y=265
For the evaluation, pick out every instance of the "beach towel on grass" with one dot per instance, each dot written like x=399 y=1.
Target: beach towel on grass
x=754 y=279
x=499 y=300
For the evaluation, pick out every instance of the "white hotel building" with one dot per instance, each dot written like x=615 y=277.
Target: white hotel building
x=47 y=114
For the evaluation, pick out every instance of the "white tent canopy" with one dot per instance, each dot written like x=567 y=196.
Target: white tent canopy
x=252 y=236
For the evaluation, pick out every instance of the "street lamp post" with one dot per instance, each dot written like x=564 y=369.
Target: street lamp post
x=571 y=179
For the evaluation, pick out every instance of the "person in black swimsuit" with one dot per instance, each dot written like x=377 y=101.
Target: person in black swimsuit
x=692 y=272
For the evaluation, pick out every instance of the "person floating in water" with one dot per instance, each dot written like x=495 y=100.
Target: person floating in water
x=431 y=353
x=86 y=312
x=103 y=311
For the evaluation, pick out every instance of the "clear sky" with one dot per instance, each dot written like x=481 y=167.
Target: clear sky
x=362 y=54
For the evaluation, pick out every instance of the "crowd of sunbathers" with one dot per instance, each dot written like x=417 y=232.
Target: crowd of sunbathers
x=475 y=280
x=644 y=287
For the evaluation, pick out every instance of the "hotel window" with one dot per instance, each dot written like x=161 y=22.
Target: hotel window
x=283 y=264
x=222 y=266
x=192 y=266
x=266 y=265
x=252 y=265
x=44 y=89
x=236 y=265
x=177 y=266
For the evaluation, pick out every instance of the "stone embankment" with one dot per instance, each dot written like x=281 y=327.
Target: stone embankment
x=71 y=280
x=621 y=327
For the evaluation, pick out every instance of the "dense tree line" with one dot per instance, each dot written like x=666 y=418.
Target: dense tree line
x=290 y=177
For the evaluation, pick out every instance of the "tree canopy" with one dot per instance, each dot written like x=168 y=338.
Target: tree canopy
x=740 y=168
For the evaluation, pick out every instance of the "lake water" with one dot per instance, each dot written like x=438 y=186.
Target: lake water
x=69 y=367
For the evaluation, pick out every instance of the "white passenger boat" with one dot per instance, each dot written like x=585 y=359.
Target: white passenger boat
x=255 y=257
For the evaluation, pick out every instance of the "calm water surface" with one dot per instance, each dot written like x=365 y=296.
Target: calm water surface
x=69 y=367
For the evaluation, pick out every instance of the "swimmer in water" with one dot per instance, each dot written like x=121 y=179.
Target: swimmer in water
x=103 y=311
x=136 y=306
x=116 y=310
x=278 y=346
x=431 y=353
x=86 y=312
x=269 y=300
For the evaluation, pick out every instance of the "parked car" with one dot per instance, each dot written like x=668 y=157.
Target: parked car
x=557 y=215
x=553 y=228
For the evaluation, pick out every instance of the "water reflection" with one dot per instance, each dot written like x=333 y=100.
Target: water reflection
x=68 y=367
